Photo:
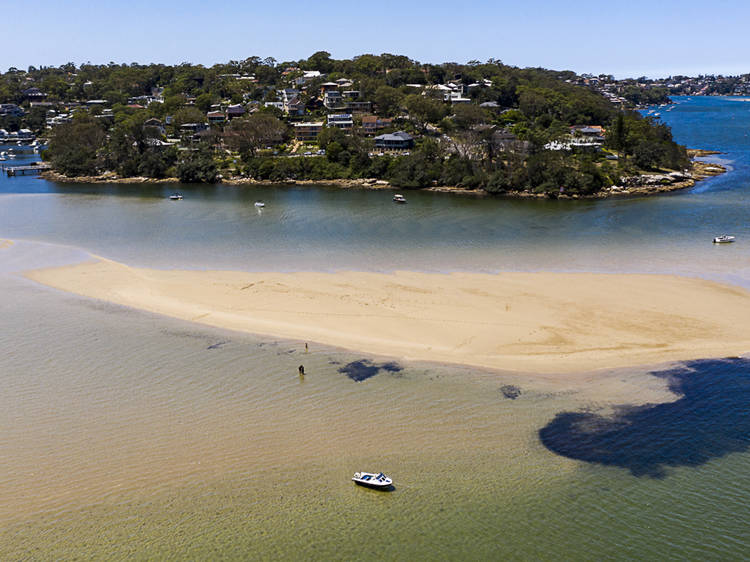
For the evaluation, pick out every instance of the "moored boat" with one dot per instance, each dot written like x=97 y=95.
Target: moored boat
x=723 y=239
x=175 y=197
x=398 y=198
x=378 y=481
x=260 y=204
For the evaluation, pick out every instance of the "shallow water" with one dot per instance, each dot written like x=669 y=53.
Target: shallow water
x=129 y=435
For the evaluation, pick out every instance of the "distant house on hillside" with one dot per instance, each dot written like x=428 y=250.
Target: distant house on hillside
x=372 y=123
x=307 y=132
x=295 y=107
x=589 y=131
x=395 y=141
x=154 y=123
x=358 y=106
x=234 y=111
x=308 y=76
x=215 y=117
x=192 y=131
x=332 y=99
x=341 y=121
x=34 y=94
x=10 y=109
x=327 y=87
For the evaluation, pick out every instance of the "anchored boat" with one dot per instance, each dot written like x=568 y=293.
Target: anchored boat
x=371 y=480
x=723 y=239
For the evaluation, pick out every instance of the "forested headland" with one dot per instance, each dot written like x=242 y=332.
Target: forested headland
x=486 y=126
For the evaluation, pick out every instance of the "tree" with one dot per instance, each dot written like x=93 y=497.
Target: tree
x=468 y=115
x=74 y=147
x=423 y=110
x=320 y=61
x=197 y=166
x=204 y=101
x=247 y=135
x=188 y=115
x=388 y=100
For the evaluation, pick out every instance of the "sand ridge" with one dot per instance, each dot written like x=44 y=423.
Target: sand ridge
x=528 y=322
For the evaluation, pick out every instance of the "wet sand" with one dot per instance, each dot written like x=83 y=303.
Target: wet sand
x=545 y=323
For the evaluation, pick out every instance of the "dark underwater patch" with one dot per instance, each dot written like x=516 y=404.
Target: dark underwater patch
x=365 y=369
x=510 y=391
x=710 y=420
x=218 y=345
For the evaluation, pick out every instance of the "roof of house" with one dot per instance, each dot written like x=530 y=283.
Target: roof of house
x=399 y=136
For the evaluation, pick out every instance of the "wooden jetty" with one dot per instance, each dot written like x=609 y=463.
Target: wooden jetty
x=23 y=170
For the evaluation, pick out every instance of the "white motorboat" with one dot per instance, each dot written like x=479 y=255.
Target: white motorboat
x=175 y=197
x=398 y=198
x=723 y=239
x=378 y=481
x=260 y=204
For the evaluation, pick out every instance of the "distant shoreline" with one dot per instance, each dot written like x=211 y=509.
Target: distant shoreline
x=699 y=171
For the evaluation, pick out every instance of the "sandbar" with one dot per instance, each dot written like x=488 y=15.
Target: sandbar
x=545 y=323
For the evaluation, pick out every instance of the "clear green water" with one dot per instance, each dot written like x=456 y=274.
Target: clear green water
x=131 y=436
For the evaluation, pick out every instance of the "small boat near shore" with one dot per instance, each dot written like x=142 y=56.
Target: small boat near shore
x=398 y=198
x=378 y=481
x=175 y=197
x=260 y=204
x=724 y=239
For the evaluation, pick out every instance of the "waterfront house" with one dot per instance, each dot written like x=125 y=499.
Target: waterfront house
x=395 y=141
x=307 y=132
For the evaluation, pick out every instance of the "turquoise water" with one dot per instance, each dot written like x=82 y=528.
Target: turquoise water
x=129 y=435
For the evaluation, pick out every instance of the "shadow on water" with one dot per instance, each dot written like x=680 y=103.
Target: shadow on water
x=362 y=370
x=711 y=419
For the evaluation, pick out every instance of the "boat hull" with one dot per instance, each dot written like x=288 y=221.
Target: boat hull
x=373 y=485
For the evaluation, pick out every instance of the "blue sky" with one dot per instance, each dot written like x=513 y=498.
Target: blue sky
x=653 y=38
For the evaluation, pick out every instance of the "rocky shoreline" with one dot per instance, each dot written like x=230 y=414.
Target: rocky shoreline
x=644 y=184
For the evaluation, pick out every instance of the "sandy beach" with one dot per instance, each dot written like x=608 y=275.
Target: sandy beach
x=529 y=322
